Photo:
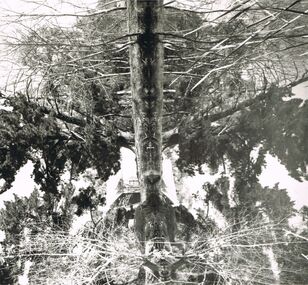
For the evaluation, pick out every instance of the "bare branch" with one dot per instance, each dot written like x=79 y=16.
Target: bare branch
x=58 y=15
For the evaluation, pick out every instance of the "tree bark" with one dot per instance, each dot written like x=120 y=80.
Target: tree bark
x=155 y=217
x=145 y=21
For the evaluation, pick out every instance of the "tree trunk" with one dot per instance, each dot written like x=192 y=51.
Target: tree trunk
x=146 y=63
x=154 y=218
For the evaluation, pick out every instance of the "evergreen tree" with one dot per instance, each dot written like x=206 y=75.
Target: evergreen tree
x=151 y=76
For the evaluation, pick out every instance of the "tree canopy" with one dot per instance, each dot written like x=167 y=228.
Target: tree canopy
x=229 y=74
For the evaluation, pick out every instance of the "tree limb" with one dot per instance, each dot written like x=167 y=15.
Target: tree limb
x=64 y=117
x=172 y=137
x=238 y=107
x=303 y=79
x=98 y=13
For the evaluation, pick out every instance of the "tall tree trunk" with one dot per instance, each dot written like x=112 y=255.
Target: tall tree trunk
x=146 y=63
x=154 y=218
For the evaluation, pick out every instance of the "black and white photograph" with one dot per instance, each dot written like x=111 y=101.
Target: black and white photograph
x=152 y=142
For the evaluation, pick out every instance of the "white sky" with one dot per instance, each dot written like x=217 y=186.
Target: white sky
x=273 y=173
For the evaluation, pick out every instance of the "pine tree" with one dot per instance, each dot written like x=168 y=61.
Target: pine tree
x=214 y=84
